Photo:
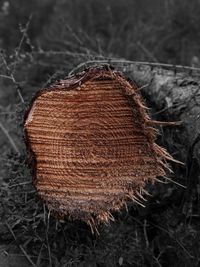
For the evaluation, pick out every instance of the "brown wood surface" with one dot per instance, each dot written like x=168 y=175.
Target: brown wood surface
x=93 y=145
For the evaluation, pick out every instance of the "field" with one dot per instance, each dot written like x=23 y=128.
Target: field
x=42 y=41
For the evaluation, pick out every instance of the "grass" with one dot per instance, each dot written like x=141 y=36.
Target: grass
x=166 y=231
x=158 y=235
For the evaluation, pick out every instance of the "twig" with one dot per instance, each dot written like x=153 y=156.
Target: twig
x=142 y=87
x=60 y=53
x=11 y=72
x=171 y=180
x=7 y=112
x=21 y=41
x=73 y=34
x=20 y=95
x=128 y=62
x=11 y=77
x=47 y=239
x=46 y=223
x=39 y=255
x=165 y=123
x=6 y=77
x=161 y=111
x=174 y=238
x=20 y=246
x=145 y=233
x=147 y=52
x=24 y=183
x=9 y=138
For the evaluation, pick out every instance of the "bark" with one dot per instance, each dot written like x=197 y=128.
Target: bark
x=177 y=94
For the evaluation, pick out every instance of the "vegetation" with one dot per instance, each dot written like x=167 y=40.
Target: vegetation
x=42 y=41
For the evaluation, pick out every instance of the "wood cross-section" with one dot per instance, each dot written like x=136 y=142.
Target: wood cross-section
x=92 y=144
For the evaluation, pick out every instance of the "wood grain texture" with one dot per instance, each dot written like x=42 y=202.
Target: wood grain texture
x=93 y=145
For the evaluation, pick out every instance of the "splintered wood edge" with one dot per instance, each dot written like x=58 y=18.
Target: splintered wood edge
x=130 y=89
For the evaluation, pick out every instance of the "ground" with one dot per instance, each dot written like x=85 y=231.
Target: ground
x=164 y=233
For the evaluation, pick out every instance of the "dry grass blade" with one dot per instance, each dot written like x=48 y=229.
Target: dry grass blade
x=123 y=63
x=9 y=138
x=20 y=246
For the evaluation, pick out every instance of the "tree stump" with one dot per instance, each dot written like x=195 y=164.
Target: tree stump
x=92 y=145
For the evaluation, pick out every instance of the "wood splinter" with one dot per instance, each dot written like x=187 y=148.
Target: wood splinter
x=91 y=145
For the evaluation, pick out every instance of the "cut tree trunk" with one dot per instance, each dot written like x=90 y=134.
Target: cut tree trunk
x=173 y=91
x=93 y=145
